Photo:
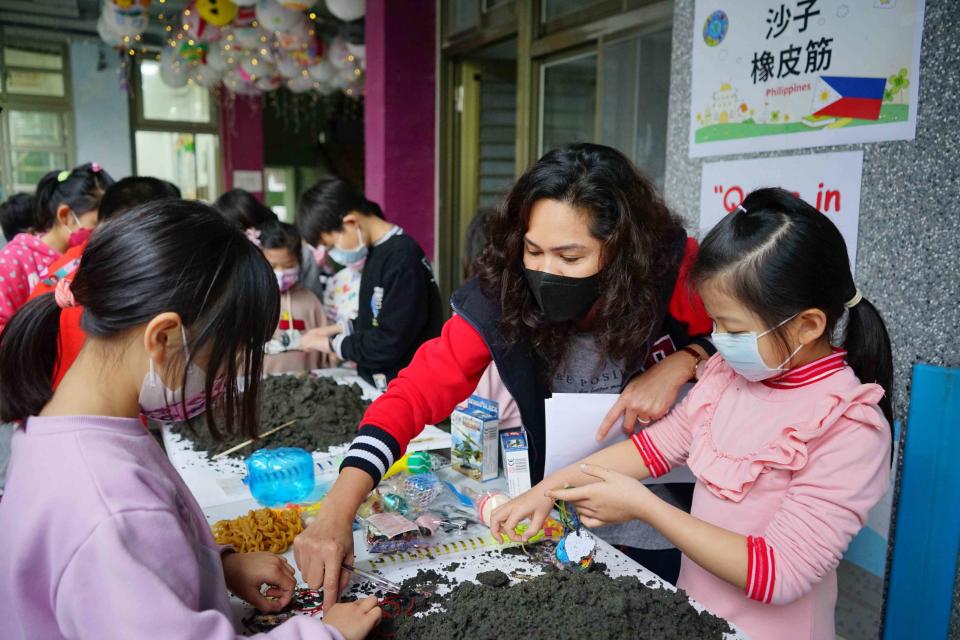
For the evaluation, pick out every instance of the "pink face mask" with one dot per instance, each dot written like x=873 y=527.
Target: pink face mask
x=160 y=403
x=79 y=236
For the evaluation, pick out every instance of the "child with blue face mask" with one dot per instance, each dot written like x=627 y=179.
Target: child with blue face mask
x=787 y=429
x=300 y=310
x=101 y=538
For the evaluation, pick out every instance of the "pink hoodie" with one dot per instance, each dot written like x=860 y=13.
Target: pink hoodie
x=22 y=263
x=101 y=539
x=795 y=464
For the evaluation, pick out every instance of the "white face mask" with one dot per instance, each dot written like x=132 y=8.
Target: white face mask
x=160 y=403
x=742 y=353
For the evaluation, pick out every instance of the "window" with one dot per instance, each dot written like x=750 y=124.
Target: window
x=568 y=90
x=35 y=122
x=176 y=135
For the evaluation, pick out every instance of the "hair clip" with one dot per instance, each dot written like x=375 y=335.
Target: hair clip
x=95 y=167
x=740 y=207
x=63 y=175
x=253 y=235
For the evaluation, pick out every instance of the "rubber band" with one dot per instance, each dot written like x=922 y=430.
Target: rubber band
x=854 y=301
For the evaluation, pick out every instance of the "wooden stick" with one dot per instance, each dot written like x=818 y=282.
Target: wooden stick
x=252 y=440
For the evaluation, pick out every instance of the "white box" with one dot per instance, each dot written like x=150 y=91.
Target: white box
x=474 y=444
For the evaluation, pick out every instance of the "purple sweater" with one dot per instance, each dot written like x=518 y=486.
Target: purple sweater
x=100 y=538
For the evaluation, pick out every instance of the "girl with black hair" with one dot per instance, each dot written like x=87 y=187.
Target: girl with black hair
x=101 y=538
x=65 y=214
x=581 y=289
x=300 y=310
x=399 y=304
x=249 y=214
x=788 y=435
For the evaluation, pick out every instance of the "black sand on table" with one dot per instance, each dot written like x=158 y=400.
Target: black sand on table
x=326 y=414
x=562 y=605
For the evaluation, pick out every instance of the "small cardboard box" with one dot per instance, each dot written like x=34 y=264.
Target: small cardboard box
x=473 y=430
x=516 y=461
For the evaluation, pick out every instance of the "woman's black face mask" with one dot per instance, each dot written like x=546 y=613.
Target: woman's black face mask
x=562 y=298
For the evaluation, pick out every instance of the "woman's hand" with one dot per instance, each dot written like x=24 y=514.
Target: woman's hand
x=319 y=339
x=354 y=620
x=533 y=505
x=322 y=548
x=650 y=395
x=615 y=498
x=244 y=574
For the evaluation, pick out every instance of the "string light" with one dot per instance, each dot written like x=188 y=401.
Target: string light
x=186 y=12
x=137 y=37
x=190 y=42
x=313 y=16
x=131 y=52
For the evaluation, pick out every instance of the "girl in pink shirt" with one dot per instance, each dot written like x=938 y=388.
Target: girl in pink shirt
x=788 y=436
x=65 y=214
x=101 y=538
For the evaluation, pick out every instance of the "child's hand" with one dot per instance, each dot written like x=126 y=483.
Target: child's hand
x=354 y=619
x=318 y=339
x=532 y=505
x=615 y=498
x=246 y=572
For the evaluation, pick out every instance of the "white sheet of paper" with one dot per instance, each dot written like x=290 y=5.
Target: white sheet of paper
x=572 y=420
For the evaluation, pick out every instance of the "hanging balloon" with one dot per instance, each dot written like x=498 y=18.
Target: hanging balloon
x=196 y=28
x=301 y=84
x=242 y=38
x=205 y=76
x=355 y=89
x=359 y=53
x=338 y=53
x=107 y=34
x=349 y=74
x=238 y=82
x=347 y=10
x=273 y=17
x=269 y=83
x=218 y=59
x=340 y=82
x=129 y=22
x=322 y=71
x=297 y=36
x=287 y=66
x=219 y=13
x=245 y=3
x=255 y=66
x=174 y=72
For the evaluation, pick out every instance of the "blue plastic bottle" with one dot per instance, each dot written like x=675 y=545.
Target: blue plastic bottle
x=280 y=476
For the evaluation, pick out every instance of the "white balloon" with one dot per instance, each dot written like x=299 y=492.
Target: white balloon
x=355 y=88
x=217 y=59
x=206 y=77
x=174 y=72
x=349 y=74
x=347 y=10
x=337 y=53
x=129 y=22
x=107 y=34
x=255 y=66
x=269 y=83
x=359 y=52
x=234 y=82
x=244 y=3
x=322 y=71
x=287 y=66
x=300 y=85
x=298 y=36
x=273 y=17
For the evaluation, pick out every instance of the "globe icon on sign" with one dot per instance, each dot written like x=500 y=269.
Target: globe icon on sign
x=715 y=28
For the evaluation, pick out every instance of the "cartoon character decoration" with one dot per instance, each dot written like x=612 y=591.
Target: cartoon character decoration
x=122 y=22
x=218 y=13
x=196 y=28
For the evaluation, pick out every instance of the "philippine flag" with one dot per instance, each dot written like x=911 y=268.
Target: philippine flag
x=845 y=97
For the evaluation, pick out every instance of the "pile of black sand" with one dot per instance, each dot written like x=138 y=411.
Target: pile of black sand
x=326 y=414
x=560 y=605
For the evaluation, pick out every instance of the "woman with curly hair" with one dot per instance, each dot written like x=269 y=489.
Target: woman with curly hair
x=582 y=289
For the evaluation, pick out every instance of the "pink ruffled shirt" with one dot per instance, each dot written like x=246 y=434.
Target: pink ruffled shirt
x=795 y=465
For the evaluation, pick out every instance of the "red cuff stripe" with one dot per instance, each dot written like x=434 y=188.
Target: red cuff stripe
x=773 y=575
x=664 y=465
x=750 y=567
x=655 y=462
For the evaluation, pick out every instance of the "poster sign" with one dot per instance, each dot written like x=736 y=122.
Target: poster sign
x=828 y=181
x=786 y=74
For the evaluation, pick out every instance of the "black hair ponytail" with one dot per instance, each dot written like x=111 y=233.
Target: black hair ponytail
x=779 y=255
x=869 y=352
x=81 y=189
x=166 y=256
x=27 y=365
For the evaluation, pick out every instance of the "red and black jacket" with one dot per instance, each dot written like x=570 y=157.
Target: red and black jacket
x=446 y=370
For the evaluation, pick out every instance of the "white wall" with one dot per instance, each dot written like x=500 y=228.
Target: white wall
x=100 y=109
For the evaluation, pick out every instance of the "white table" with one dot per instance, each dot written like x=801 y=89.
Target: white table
x=220 y=482
x=468 y=552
